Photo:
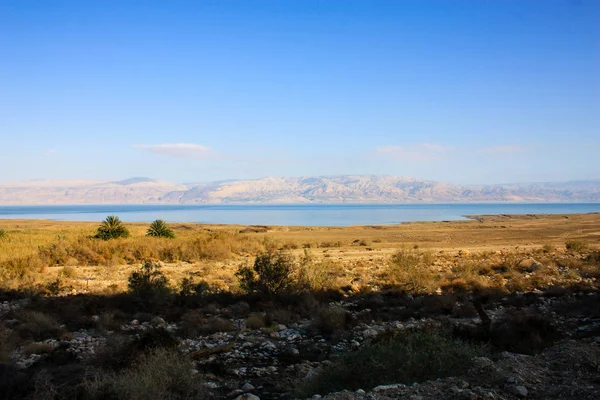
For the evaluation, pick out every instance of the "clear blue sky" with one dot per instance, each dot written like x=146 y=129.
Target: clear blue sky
x=187 y=91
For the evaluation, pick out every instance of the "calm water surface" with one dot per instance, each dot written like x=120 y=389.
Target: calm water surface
x=305 y=214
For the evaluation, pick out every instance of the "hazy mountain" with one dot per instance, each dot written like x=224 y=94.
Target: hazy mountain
x=132 y=191
x=323 y=189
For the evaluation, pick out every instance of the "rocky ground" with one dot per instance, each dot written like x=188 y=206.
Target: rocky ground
x=241 y=353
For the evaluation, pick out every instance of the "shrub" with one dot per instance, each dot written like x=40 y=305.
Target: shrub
x=36 y=325
x=575 y=246
x=6 y=343
x=410 y=268
x=161 y=374
x=149 y=283
x=3 y=234
x=547 y=248
x=399 y=358
x=159 y=228
x=524 y=333
x=191 y=288
x=332 y=318
x=271 y=274
x=312 y=275
x=256 y=321
x=111 y=228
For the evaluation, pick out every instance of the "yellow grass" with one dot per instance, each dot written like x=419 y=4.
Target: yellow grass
x=484 y=252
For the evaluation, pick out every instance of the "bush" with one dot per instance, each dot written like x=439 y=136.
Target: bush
x=410 y=268
x=398 y=358
x=161 y=374
x=149 y=283
x=111 y=228
x=332 y=318
x=271 y=274
x=312 y=275
x=159 y=228
x=524 y=333
x=575 y=246
x=36 y=325
x=3 y=234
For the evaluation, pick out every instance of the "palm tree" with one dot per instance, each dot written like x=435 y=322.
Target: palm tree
x=111 y=228
x=159 y=228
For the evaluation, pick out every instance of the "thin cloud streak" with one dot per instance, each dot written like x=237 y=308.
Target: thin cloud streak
x=418 y=152
x=178 y=150
x=501 y=149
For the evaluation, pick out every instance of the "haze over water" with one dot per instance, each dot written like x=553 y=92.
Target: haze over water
x=305 y=214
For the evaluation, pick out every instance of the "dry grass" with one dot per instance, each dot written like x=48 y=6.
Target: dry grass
x=59 y=257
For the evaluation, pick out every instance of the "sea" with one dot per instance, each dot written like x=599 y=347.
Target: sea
x=291 y=214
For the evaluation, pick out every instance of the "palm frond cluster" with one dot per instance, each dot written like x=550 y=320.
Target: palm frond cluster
x=159 y=228
x=113 y=228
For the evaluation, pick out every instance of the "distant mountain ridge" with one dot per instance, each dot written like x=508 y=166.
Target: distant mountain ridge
x=312 y=189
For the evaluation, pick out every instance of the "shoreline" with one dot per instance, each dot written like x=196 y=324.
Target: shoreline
x=463 y=218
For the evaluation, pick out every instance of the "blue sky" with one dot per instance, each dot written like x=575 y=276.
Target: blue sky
x=189 y=91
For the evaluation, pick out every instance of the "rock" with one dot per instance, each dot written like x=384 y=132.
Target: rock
x=235 y=393
x=383 y=388
x=248 y=387
x=455 y=390
x=271 y=369
x=482 y=362
x=519 y=391
x=247 y=396
x=370 y=333
x=158 y=321
x=511 y=380
x=361 y=392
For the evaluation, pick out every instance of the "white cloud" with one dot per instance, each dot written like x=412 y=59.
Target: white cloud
x=417 y=152
x=501 y=149
x=179 y=150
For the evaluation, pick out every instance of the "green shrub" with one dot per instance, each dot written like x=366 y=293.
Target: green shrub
x=159 y=228
x=271 y=274
x=111 y=228
x=3 y=234
x=399 y=358
x=332 y=318
x=313 y=275
x=411 y=269
x=36 y=325
x=161 y=374
x=575 y=246
x=191 y=288
x=149 y=284
x=547 y=248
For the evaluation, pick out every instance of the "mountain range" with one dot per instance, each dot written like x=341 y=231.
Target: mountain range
x=270 y=190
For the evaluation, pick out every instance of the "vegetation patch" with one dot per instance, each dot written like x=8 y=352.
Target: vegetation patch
x=397 y=358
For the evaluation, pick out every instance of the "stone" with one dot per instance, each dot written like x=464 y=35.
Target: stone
x=361 y=392
x=511 y=380
x=383 y=388
x=519 y=391
x=248 y=387
x=455 y=390
x=235 y=393
x=247 y=396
